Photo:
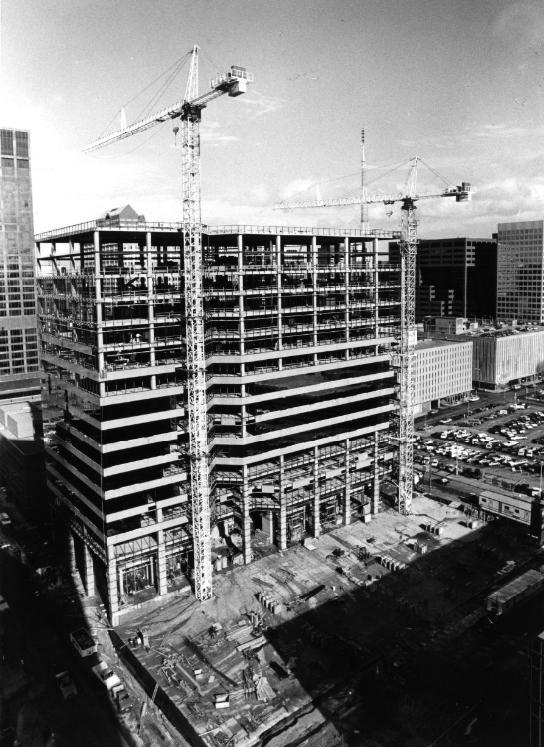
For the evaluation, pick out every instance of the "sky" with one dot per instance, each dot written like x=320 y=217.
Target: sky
x=458 y=83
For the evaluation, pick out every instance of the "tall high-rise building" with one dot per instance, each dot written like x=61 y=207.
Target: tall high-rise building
x=455 y=277
x=19 y=368
x=299 y=328
x=520 y=276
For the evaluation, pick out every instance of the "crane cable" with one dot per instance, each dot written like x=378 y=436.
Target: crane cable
x=177 y=64
x=396 y=165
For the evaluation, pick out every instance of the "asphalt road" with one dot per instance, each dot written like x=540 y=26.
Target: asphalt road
x=34 y=642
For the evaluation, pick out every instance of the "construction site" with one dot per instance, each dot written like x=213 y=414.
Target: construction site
x=233 y=400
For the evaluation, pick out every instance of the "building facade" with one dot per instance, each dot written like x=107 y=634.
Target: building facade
x=508 y=358
x=19 y=365
x=455 y=277
x=443 y=371
x=520 y=279
x=299 y=326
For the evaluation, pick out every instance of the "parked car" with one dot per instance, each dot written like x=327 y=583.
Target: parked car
x=5 y=520
x=66 y=685
x=3 y=604
x=121 y=698
x=106 y=675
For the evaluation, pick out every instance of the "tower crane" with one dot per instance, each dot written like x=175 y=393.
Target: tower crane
x=403 y=360
x=189 y=110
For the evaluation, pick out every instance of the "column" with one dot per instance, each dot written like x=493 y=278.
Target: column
x=150 y=306
x=314 y=292
x=89 y=571
x=347 y=487
x=161 y=564
x=99 y=313
x=246 y=519
x=375 y=498
x=346 y=291
x=376 y=289
x=71 y=553
x=241 y=304
x=282 y=524
x=278 y=287
x=268 y=525
x=113 y=595
x=316 y=519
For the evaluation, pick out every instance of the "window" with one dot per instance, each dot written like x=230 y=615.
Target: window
x=21 y=142
x=7 y=163
x=6 y=143
x=22 y=164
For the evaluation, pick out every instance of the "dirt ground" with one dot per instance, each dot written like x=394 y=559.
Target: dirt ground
x=287 y=670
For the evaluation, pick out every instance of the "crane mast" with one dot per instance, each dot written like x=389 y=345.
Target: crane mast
x=404 y=359
x=189 y=111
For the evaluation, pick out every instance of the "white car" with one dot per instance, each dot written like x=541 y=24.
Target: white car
x=445 y=420
x=3 y=605
x=4 y=519
x=106 y=675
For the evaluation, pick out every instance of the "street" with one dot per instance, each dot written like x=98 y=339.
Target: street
x=34 y=644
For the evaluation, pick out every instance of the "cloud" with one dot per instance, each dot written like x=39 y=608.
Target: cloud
x=263 y=104
x=296 y=187
x=505 y=130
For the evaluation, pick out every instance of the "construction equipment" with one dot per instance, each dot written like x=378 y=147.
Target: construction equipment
x=403 y=360
x=189 y=111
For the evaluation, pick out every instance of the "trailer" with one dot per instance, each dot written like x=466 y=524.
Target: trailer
x=515 y=593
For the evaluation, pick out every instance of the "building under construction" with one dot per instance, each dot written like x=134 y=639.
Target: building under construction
x=300 y=324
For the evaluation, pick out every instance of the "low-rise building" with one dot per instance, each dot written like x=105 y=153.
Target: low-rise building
x=22 y=460
x=515 y=592
x=508 y=357
x=443 y=372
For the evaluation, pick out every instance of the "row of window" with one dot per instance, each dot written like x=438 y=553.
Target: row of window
x=9 y=163
x=14 y=143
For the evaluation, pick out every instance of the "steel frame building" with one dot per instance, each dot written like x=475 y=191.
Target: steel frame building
x=300 y=324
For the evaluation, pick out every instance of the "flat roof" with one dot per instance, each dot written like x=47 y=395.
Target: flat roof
x=526 y=581
x=136 y=226
x=427 y=344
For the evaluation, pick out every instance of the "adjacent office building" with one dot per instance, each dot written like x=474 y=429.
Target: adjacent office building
x=443 y=373
x=455 y=277
x=520 y=279
x=508 y=357
x=299 y=328
x=19 y=368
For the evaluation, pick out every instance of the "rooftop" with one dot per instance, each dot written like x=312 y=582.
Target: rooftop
x=141 y=226
x=515 y=587
x=427 y=344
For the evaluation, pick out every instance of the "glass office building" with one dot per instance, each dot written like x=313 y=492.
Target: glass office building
x=19 y=370
x=519 y=273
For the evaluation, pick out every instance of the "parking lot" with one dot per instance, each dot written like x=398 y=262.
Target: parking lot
x=498 y=441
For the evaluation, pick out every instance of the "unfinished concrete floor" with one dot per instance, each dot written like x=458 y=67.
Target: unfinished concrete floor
x=337 y=619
